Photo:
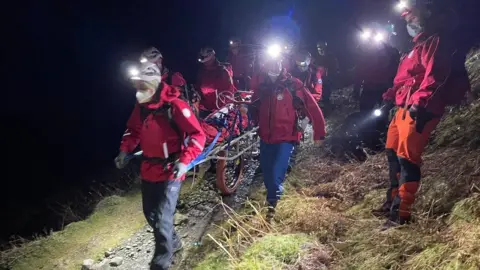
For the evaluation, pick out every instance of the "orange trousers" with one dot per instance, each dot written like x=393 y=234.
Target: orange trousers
x=406 y=142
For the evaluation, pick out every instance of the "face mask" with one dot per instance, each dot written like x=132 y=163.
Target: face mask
x=144 y=96
x=303 y=68
x=414 y=29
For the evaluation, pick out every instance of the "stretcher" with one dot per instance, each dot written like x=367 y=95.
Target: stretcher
x=231 y=140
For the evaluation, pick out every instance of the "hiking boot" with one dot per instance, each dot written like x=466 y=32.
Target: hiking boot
x=388 y=225
x=383 y=211
x=396 y=222
x=177 y=245
x=270 y=214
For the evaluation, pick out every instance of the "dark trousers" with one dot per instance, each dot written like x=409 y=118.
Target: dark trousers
x=159 y=203
x=326 y=89
x=274 y=160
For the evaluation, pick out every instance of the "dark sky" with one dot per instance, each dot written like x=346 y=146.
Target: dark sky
x=67 y=101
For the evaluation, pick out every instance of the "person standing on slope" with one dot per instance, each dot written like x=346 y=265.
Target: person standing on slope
x=308 y=74
x=160 y=123
x=277 y=102
x=214 y=77
x=429 y=78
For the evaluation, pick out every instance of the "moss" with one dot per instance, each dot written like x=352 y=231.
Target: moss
x=104 y=229
x=466 y=210
x=284 y=248
x=371 y=201
x=214 y=261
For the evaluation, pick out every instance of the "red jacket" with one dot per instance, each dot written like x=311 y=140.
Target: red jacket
x=156 y=129
x=312 y=79
x=423 y=76
x=214 y=77
x=276 y=114
x=240 y=64
x=173 y=78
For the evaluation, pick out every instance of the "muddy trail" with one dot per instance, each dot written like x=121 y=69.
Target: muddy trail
x=197 y=212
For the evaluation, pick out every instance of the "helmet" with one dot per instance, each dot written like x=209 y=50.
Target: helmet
x=146 y=72
x=322 y=44
x=303 y=59
x=206 y=54
x=407 y=6
x=151 y=54
x=322 y=47
x=234 y=42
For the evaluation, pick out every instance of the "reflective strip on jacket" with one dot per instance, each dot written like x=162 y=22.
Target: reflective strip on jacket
x=156 y=129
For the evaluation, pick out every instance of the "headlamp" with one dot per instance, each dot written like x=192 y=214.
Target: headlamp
x=231 y=42
x=379 y=37
x=133 y=71
x=401 y=6
x=366 y=34
x=143 y=60
x=377 y=112
x=274 y=50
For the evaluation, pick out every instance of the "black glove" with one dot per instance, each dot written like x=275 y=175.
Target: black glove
x=421 y=117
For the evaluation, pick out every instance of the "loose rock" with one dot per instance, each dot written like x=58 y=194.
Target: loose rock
x=108 y=253
x=117 y=261
x=180 y=219
x=88 y=264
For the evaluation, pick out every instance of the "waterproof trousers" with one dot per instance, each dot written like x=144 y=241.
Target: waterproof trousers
x=274 y=160
x=159 y=201
x=406 y=142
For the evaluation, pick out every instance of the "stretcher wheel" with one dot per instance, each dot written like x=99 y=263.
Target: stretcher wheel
x=229 y=173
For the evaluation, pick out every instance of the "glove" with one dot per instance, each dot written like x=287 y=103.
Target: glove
x=179 y=169
x=121 y=160
x=421 y=117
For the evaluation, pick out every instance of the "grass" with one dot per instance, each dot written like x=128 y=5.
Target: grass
x=90 y=238
x=331 y=202
x=105 y=228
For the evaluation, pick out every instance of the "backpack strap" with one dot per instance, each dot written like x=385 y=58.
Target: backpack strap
x=166 y=110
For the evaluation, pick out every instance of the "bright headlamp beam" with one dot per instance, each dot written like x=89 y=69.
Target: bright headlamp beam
x=133 y=71
x=379 y=37
x=401 y=6
x=366 y=34
x=143 y=60
x=377 y=112
x=274 y=50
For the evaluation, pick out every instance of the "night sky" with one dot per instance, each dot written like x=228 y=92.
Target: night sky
x=67 y=100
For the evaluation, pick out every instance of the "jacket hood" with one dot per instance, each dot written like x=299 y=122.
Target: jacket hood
x=165 y=94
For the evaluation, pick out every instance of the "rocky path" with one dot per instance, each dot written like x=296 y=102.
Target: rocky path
x=195 y=215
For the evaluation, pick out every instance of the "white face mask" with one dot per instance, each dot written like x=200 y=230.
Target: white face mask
x=414 y=29
x=144 y=96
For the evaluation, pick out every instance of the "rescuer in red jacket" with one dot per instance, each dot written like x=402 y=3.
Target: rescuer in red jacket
x=429 y=78
x=241 y=61
x=278 y=102
x=170 y=137
x=153 y=55
x=308 y=74
x=214 y=77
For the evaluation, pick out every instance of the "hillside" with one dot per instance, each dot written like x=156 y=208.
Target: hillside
x=323 y=222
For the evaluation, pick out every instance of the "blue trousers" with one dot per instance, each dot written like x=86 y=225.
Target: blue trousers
x=274 y=160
